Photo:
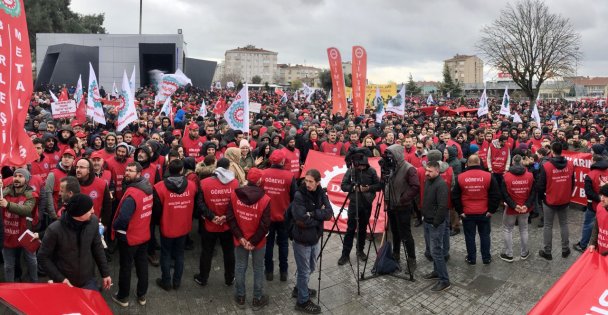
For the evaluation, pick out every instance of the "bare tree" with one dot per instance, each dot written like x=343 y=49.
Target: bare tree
x=531 y=44
x=230 y=77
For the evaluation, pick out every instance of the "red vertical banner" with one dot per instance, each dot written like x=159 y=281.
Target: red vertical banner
x=338 y=96
x=359 y=79
x=16 y=148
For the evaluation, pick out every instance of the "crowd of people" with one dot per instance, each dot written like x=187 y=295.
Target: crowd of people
x=94 y=191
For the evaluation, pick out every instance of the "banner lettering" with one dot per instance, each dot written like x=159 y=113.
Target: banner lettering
x=338 y=97
x=359 y=79
x=582 y=164
x=63 y=109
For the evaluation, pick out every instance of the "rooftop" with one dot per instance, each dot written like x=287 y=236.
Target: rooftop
x=588 y=80
x=251 y=48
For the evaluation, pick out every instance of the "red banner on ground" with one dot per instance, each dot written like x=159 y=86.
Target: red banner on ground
x=582 y=289
x=582 y=164
x=16 y=148
x=332 y=169
x=338 y=96
x=359 y=79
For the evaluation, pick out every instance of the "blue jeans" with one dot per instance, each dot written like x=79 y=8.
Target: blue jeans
x=482 y=224
x=305 y=257
x=12 y=257
x=435 y=236
x=172 y=248
x=277 y=230
x=446 y=240
x=588 y=221
x=91 y=285
x=241 y=257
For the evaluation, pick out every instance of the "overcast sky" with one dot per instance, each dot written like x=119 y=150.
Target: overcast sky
x=400 y=36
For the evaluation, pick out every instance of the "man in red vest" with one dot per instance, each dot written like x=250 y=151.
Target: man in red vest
x=476 y=196
x=280 y=186
x=131 y=226
x=192 y=142
x=292 y=157
x=601 y=224
x=555 y=185
x=117 y=165
x=499 y=158
x=216 y=191
x=520 y=196
x=97 y=189
x=40 y=166
x=100 y=172
x=174 y=201
x=332 y=146
x=53 y=180
x=248 y=216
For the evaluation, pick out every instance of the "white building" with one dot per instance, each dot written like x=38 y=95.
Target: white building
x=304 y=74
x=250 y=61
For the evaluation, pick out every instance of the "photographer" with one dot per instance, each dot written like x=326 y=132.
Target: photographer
x=363 y=185
x=402 y=187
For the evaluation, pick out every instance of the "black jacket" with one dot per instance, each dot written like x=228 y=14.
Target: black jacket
x=309 y=210
x=435 y=201
x=367 y=177
x=69 y=251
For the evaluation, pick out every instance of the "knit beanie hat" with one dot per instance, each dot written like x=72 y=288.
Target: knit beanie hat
x=24 y=172
x=434 y=155
x=78 y=205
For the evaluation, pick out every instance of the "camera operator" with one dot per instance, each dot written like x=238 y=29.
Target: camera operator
x=402 y=187
x=363 y=185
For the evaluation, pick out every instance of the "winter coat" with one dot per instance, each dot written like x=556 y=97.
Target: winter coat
x=309 y=209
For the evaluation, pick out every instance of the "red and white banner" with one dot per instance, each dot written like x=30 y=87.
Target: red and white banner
x=332 y=169
x=338 y=97
x=583 y=289
x=582 y=164
x=16 y=148
x=359 y=79
x=63 y=109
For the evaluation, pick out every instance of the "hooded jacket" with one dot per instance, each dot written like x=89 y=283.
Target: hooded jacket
x=559 y=162
x=128 y=204
x=177 y=185
x=249 y=195
x=593 y=196
x=517 y=170
x=367 y=177
x=453 y=160
x=403 y=186
x=308 y=210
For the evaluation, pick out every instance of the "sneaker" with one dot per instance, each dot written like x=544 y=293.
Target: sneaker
x=199 y=280
x=311 y=292
x=122 y=302
x=283 y=276
x=308 y=307
x=566 y=253
x=229 y=282
x=269 y=276
x=466 y=259
x=141 y=300
x=361 y=255
x=418 y=223
x=153 y=259
x=166 y=287
x=544 y=255
x=431 y=276
x=441 y=286
x=487 y=262
x=240 y=301
x=577 y=247
x=258 y=304
x=525 y=256
x=506 y=258
x=343 y=260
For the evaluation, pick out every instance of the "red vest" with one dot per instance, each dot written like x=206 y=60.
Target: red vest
x=217 y=197
x=559 y=184
x=176 y=219
x=474 y=185
x=192 y=148
x=348 y=144
x=14 y=225
x=52 y=158
x=59 y=174
x=41 y=168
x=105 y=155
x=451 y=143
x=106 y=176
x=447 y=177
x=277 y=184
x=332 y=148
x=499 y=159
x=518 y=188
x=292 y=161
x=248 y=217
x=598 y=179
x=413 y=159
x=149 y=173
x=138 y=231
x=118 y=174
x=536 y=144
x=96 y=190
x=601 y=215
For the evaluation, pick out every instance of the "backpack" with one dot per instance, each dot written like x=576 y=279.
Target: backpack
x=385 y=262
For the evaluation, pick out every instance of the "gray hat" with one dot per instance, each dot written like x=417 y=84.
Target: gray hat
x=24 y=172
x=42 y=126
x=434 y=155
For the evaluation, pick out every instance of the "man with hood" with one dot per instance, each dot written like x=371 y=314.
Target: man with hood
x=65 y=134
x=248 y=216
x=109 y=149
x=53 y=180
x=216 y=191
x=51 y=150
x=594 y=180
x=402 y=188
x=555 y=185
x=150 y=170
x=156 y=157
x=131 y=226
x=117 y=165
x=292 y=157
x=174 y=201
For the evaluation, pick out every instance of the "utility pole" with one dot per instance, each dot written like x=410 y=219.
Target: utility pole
x=140 y=10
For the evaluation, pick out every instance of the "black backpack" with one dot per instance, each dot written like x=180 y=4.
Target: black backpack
x=385 y=262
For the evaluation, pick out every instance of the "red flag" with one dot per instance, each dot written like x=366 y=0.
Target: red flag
x=16 y=148
x=63 y=96
x=359 y=79
x=337 y=79
x=81 y=110
x=278 y=92
x=220 y=106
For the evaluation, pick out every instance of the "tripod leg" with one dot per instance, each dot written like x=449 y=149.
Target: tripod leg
x=335 y=226
x=320 y=265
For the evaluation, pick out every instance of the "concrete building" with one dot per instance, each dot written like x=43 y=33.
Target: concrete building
x=250 y=61
x=465 y=69
x=347 y=68
x=305 y=74
x=589 y=86
x=428 y=87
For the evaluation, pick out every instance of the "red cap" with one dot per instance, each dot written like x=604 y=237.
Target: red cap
x=254 y=175
x=277 y=157
x=177 y=132
x=76 y=123
x=70 y=152
x=81 y=134
x=277 y=125
x=96 y=155
x=193 y=125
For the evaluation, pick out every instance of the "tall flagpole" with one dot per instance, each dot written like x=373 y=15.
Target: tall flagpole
x=140 y=10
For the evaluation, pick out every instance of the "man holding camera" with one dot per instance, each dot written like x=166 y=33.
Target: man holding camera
x=363 y=183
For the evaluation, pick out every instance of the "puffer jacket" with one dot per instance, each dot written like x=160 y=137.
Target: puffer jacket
x=309 y=209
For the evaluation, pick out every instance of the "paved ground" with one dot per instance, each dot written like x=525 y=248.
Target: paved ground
x=498 y=288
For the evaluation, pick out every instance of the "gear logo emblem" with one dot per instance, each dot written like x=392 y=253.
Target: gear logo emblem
x=331 y=180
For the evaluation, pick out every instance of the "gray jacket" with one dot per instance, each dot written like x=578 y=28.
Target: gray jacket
x=403 y=186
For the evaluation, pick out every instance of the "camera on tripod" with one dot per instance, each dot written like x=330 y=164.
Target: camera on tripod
x=387 y=165
x=356 y=157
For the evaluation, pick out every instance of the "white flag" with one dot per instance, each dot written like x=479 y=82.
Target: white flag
x=483 y=103
x=115 y=92
x=309 y=96
x=126 y=110
x=397 y=103
x=94 y=106
x=535 y=115
x=516 y=118
x=295 y=96
x=169 y=84
x=79 y=92
x=329 y=96
x=54 y=97
x=504 y=108
x=167 y=107
x=429 y=100
x=379 y=102
x=132 y=83
x=202 y=112
x=237 y=115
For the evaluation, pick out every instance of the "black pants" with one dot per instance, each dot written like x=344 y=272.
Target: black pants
x=129 y=255
x=400 y=224
x=351 y=225
x=208 y=240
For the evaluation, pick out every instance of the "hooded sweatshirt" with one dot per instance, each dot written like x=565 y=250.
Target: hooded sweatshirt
x=560 y=163
x=249 y=195
x=128 y=205
x=518 y=171
x=596 y=175
x=403 y=185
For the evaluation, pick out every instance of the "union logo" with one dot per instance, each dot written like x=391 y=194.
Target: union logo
x=11 y=7
x=358 y=52
x=93 y=194
x=333 y=53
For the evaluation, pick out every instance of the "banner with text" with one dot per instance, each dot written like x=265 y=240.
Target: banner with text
x=63 y=109
x=338 y=97
x=332 y=169
x=387 y=91
x=359 y=79
x=582 y=164
x=16 y=147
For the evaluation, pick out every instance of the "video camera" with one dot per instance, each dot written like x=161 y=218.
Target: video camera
x=387 y=164
x=357 y=156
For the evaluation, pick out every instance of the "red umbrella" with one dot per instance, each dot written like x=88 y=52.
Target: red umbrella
x=52 y=298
